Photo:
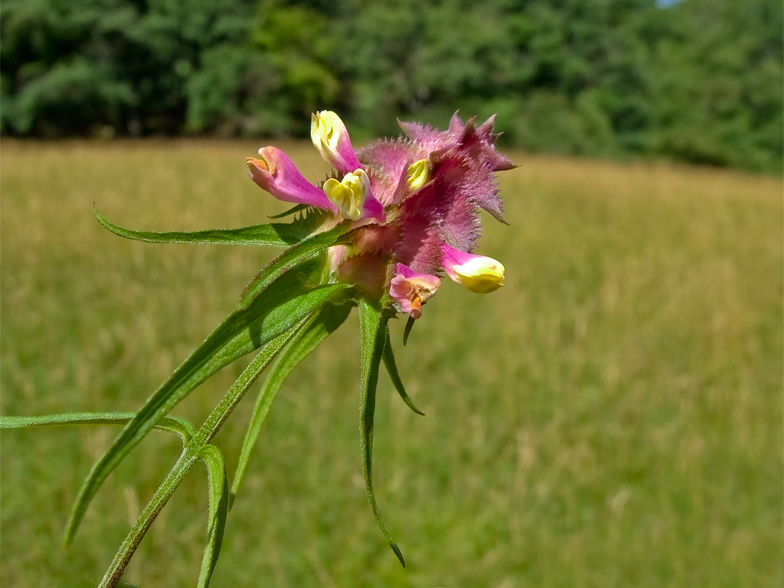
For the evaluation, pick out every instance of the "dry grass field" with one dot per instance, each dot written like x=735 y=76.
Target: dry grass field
x=612 y=417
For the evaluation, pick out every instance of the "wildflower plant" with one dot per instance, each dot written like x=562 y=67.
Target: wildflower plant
x=377 y=235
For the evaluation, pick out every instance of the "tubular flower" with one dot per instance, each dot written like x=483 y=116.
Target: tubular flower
x=411 y=207
x=478 y=273
x=353 y=195
x=411 y=289
x=330 y=137
x=276 y=174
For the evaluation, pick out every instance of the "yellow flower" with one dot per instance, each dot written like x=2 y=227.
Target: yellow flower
x=478 y=273
x=349 y=194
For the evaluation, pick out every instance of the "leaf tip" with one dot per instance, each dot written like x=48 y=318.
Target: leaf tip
x=407 y=330
x=398 y=553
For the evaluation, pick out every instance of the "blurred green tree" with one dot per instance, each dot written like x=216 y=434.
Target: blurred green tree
x=697 y=80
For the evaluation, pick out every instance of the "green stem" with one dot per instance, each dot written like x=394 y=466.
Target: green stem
x=190 y=455
x=232 y=398
x=145 y=520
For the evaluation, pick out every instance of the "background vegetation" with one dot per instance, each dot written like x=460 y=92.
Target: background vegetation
x=612 y=417
x=698 y=80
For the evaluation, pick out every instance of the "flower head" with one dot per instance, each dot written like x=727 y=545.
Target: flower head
x=412 y=204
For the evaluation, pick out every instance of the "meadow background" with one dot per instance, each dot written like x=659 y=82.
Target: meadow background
x=611 y=417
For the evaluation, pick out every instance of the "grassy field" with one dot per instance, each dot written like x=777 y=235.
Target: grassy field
x=612 y=417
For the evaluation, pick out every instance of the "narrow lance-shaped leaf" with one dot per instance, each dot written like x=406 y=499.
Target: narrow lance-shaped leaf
x=219 y=509
x=148 y=515
x=291 y=257
x=267 y=235
x=325 y=322
x=389 y=362
x=372 y=326
x=179 y=426
x=293 y=210
x=189 y=456
x=283 y=304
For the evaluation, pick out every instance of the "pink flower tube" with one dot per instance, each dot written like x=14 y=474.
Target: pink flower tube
x=276 y=174
x=411 y=289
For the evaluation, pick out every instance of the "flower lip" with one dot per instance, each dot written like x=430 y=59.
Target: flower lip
x=411 y=289
x=478 y=273
x=330 y=137
x=259 y=163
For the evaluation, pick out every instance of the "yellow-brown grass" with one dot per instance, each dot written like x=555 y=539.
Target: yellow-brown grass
x=612 y=417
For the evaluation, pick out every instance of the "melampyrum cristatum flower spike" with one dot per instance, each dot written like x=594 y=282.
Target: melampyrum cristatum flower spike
x=330 y=137
x=478 y=273
x=432 y=186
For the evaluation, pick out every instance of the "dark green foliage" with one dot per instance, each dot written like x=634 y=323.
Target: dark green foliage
x=720 y=91
x=699 y=81
x=75 y=67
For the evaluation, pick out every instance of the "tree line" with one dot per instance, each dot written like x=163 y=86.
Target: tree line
x=697 y=80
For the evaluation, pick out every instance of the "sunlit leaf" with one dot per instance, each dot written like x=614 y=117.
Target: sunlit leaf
x=389 y=362
x=219 y=508
x=325 y=322
x=293 y=210
x=179 y=426
x=292 y=257
x=373 y=333
x=268 y=235
x=286 y=302
x=113 y=575
x=190 y=455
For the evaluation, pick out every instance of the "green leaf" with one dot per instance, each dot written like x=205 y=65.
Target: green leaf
x=282 y=305
x=290 y=258
x=326 y=322
x=389 y=362
x=219 y=509
x=373 y=334
x=179 y=426
x=269 y=235
x=191 y=453
x=293 y=210
x=153 y=508
x=407 y=331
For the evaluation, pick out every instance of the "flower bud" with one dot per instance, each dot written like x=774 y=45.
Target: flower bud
x=330 y=137
x=478 y=273
x=418 y=174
